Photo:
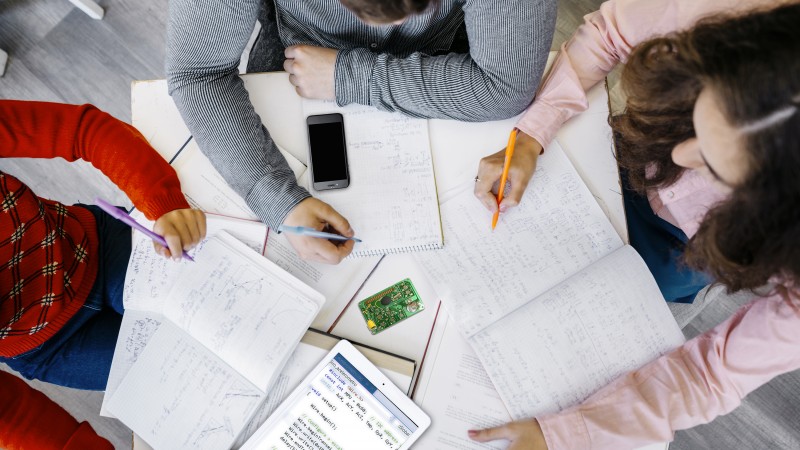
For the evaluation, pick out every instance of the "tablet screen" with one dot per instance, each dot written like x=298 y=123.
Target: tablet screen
x=340 y=409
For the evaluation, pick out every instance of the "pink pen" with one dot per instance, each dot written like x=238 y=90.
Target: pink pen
x=121 y=215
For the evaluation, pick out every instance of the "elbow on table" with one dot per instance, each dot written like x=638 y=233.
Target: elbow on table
x=499 y=108
x=178 y=77
x=509 y=108
x=186 y=73
x=503 y=102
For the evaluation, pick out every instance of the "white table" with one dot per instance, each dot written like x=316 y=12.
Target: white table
x=457 y=147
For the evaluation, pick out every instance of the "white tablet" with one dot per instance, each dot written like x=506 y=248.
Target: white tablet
x=344 y=403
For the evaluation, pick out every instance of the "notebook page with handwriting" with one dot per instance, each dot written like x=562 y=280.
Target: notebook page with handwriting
x=135 y=331
x=482 y=275
x=242 y=307
x=149 y=276
x=338 y=283
x=454 y=389
x=577 y=337
x=392 y=201
x=179 y=395
x=234 y=319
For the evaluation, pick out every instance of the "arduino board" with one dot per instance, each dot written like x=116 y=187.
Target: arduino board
x=391 y=305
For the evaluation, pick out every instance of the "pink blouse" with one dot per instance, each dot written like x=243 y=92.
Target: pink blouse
x=709 y=375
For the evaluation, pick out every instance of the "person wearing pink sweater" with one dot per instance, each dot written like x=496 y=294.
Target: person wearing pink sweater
x=710 y=139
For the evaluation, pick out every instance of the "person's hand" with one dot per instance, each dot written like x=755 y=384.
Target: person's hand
x=490 y=170
x=319 y=215
x=183 y=229
x=524 y=435
x=311 y=70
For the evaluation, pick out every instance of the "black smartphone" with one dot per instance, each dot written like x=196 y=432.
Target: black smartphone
x=328 y=152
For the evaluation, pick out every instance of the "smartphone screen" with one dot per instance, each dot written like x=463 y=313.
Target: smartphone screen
x=328 y=151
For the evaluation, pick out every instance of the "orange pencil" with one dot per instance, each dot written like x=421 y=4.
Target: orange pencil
x=512 y=139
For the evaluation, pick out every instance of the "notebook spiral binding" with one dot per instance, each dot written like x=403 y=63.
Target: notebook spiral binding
x=407 y=249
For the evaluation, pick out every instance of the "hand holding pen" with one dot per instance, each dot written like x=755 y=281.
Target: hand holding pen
x=314 y=214
x=306 y=231
x=173 y=231
x=520 y=171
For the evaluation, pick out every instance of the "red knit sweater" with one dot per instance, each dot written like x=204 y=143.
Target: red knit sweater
x=48 y=251
x=31 y=421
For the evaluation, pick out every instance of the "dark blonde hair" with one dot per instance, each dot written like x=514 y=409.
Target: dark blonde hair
x=752 y=65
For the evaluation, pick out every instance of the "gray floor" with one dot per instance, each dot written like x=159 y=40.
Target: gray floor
x=57 y=53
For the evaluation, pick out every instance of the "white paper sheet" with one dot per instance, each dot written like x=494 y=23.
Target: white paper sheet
x=558 y=229
x=454 y=389
x=391 y=202
x=233 y=318
x=150 y=276
x=337 y=283
x=566 y=344
x=179 y=395
x=243 y=308
x=134 y=333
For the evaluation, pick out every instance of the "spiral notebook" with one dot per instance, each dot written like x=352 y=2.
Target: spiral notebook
x=391 y=202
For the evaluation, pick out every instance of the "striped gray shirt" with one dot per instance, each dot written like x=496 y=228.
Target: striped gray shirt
x=388 y=67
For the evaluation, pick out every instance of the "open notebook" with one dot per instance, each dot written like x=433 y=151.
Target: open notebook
x=205 y=189
x=229 y=322
x=552 y=302
x=138 y=327
x=392 y=201
x=455 y=390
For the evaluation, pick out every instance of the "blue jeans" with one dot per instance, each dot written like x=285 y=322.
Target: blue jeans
x=660 y=244
x=79 y=355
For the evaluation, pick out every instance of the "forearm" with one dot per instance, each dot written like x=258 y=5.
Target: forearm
x=50 y=130
x=124 y=155
x=509 y=43
x=706 y=377
x=607 y=38
x=204 y=43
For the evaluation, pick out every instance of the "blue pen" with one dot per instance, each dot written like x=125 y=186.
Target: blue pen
x=306 y=231
x=122 y=216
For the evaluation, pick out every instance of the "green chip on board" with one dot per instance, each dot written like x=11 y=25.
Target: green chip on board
x=391 y=305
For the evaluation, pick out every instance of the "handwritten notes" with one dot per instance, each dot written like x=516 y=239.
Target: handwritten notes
x=558 y=229
x=552 y=302
x=230 y=322
x=338 y=283
x=243 y=308
x=179 y=395
x=134 y=333
x=391 y=201
x=150 y=276
x=558 y=349
x=454 y=389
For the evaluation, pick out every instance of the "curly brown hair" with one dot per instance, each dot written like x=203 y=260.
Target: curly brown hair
x=752 y=65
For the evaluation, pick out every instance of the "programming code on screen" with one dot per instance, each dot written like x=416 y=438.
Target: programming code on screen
x=341 y=410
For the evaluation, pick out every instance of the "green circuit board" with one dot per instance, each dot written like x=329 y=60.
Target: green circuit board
x=391 y=305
